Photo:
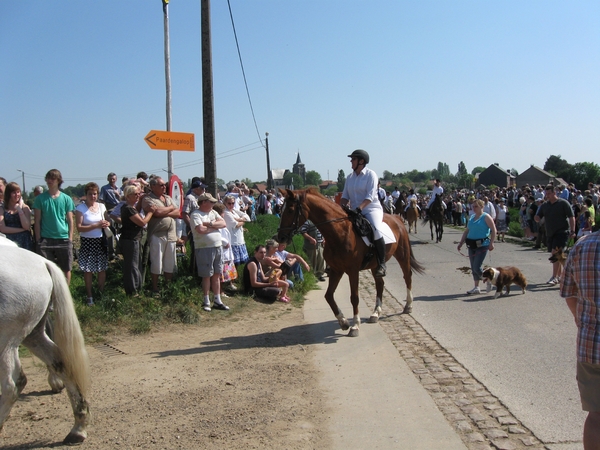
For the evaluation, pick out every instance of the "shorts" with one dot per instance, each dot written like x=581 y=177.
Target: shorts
x=267 y=293
x=209 y=261
x=558 y=239
x=59 y=251
x=588 y=379
x=162 y=255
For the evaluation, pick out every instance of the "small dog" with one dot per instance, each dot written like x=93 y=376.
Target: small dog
x=503 y=277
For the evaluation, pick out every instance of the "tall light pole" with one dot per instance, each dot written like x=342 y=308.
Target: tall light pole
x=269 y=174
x=168 y=80
x=24 y=188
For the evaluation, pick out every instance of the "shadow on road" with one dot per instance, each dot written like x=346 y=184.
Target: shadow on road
x=306 y=334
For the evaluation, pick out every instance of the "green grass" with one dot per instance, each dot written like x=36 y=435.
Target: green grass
x=180 y=302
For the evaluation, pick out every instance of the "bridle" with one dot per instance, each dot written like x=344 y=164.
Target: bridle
x=294 y=228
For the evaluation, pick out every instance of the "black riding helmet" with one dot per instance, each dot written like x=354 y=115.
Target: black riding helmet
x=362 y=154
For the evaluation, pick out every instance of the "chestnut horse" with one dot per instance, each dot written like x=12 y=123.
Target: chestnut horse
x=344 y=250
x=412 y=215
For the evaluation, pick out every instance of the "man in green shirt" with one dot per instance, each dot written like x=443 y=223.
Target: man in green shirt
x=53 y=213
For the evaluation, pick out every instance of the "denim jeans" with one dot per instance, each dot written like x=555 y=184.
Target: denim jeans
x=477 y=256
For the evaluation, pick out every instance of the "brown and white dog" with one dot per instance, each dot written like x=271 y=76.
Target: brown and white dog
x=503 y=277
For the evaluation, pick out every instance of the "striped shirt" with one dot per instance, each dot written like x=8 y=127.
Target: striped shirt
x=582 y=280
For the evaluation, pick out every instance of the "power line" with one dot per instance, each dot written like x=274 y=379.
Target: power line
x=243 y=71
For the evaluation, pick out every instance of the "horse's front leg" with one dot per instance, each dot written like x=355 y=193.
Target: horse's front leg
x=334 y=280
x=354 y=300
x=379 y=283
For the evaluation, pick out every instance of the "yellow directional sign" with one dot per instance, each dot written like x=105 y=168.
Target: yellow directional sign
x=170 y=140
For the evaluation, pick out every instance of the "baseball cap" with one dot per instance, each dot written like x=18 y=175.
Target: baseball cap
x=208 y=197
x=197 y=184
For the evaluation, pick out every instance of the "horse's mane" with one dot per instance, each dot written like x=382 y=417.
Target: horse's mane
x=326 y=201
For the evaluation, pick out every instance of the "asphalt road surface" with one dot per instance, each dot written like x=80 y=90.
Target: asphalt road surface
x=521 y=347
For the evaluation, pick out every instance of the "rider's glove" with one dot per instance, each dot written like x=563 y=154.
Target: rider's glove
x=358 y=210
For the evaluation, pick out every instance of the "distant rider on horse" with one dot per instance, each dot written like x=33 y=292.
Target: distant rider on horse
x=437 y=190
x=360 y=191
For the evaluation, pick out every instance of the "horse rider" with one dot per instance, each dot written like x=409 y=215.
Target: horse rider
x=360 y=190
x=437 y=190
x=409 y=199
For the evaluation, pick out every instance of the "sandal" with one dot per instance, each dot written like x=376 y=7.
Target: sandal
x=284 y=299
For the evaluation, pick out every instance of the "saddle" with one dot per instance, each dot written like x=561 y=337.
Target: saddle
x=363 y=228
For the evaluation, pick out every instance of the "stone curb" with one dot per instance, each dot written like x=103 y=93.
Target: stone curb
x=479 y=418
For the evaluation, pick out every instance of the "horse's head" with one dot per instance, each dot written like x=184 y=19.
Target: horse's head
x=291 y=215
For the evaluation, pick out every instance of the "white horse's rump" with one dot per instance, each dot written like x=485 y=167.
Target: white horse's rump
x=27 y=284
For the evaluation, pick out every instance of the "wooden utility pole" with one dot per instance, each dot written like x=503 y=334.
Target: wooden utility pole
x=269 y=174
x=208 y=114
x=168 y=80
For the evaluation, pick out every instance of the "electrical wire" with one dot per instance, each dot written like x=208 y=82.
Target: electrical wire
x=243 y=71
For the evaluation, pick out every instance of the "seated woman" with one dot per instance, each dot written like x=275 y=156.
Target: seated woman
x=273 y=262
x=15 y=217
x=255 y=281
x=131 y=234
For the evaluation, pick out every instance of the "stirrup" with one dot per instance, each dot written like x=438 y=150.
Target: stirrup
x=380 y=272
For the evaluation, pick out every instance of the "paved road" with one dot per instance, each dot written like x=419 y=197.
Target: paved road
x=521 y=347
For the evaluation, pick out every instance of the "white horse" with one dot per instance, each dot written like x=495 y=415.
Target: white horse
x=28 y=283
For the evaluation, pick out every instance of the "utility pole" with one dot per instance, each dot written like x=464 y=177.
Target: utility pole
x=269 y=174
x=168 y=80
x=208 y=111
x=24 y=188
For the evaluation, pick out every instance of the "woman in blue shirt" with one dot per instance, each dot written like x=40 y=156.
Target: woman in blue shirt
x=479 y=235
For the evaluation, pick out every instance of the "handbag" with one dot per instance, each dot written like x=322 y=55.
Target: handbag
x=474 y=244
x=104 y=241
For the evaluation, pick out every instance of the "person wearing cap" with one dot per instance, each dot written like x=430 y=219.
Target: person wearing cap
x=206 y=222
x=360 y=192
x=162 y=232
x=190 y=203
x=560 y=226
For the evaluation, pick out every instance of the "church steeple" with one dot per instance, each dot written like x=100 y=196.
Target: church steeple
x=299 y=168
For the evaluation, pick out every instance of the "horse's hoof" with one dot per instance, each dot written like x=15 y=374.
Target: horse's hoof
x=373 y=319
x=407 y=310
x=353 y=332
x=74 y=438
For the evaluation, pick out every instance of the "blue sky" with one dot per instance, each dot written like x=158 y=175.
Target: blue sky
x=412 y=82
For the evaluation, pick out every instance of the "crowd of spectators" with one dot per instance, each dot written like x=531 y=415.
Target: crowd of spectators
x=141 y=222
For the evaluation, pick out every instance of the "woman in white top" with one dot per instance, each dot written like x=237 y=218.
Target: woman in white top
x=235 y=221
x=90 y=218
x=360 y=191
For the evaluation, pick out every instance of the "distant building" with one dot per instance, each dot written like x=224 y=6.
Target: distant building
x=534 y=176
x=299 y=169
x=497 y=176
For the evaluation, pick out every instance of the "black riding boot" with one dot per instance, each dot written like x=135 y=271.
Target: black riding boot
x=379 y=245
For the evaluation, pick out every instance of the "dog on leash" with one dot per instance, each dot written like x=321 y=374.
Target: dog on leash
x=503 y=277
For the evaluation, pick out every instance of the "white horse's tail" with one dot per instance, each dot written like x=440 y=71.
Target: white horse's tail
x=67 y=332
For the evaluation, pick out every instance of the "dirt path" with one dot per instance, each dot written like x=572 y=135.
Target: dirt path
x=234 y=385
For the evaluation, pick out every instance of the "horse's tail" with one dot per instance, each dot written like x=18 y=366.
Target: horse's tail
x=415 y=266
x=67 y=332
x=425 y=220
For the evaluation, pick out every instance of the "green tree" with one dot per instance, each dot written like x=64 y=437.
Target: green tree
x=313 y=178
x=477 y=170
x=341 y=180
x=581 y=174
x=443 y=171
x=462 y=170
x=387 y=175
x=293 y=179
x=75 y=191
x=558 y=166
x=330 y=191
